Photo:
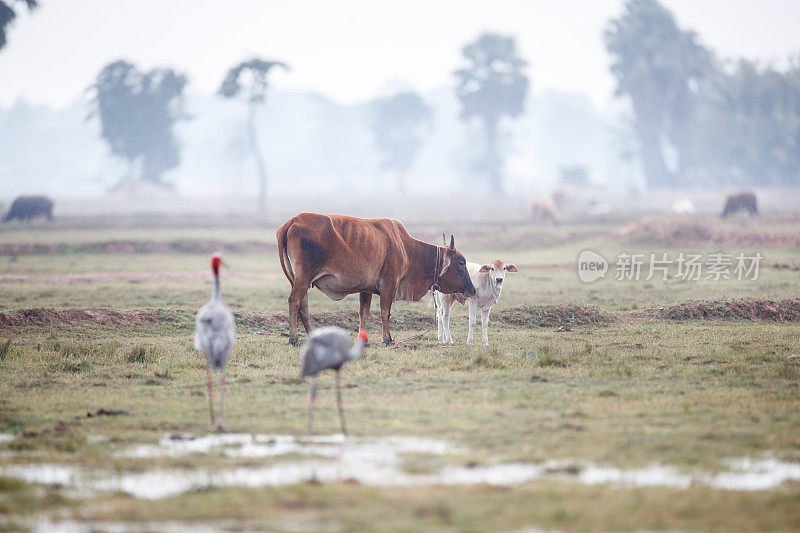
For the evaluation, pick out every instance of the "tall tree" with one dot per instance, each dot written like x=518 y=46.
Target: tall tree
x=397 y=125
x=249 y=80
x=660 y=68
x=7 y=15
x=746 y=129
x=137 y=112
x=492 y=85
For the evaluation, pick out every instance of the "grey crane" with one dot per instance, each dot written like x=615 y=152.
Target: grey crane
x=329 y=348
x=215 y=335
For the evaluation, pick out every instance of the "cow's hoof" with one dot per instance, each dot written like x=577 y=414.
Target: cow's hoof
x=388 y=342
x=294 y=342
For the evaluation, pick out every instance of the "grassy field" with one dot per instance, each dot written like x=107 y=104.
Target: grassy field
x=96 y=358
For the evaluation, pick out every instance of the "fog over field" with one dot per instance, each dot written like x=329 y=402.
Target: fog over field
x=316 y=131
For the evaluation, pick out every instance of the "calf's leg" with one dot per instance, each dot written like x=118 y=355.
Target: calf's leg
x=485 y=325
x=447 y=305
x=473 y=310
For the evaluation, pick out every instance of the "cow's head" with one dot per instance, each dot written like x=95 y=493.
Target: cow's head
x=454 y=278
x=497 y=273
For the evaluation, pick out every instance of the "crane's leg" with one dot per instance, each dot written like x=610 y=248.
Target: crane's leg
x=221 y=400
x=339 y=400
x=312 y=397
x=210 y=384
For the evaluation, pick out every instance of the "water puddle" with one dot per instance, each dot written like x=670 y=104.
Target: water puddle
x=369 y=461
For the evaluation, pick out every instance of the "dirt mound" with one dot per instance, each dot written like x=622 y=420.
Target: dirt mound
x=546 y=316
x=745 y=308
x=110 y=317
x=523 y=316
x=697 y=231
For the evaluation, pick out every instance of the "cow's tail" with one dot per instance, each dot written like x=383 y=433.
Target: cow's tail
x=283 y=253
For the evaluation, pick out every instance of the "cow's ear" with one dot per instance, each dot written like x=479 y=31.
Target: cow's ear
x=510 y=268
x=452 y=241
x=485 y=269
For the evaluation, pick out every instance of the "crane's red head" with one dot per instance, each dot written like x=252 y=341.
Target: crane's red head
x=363 y=335
x=216 y=261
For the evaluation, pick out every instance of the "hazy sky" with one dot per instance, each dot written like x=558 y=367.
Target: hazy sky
x=352 y=50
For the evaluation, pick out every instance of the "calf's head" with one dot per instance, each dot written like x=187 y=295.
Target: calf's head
x=454 y=278
x=497 y=272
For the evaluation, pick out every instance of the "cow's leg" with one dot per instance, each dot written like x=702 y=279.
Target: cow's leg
x=299 y=292
x=387 y=297
x=364 y=303
x=473 y=310
x=303 y=312
x=485 y=325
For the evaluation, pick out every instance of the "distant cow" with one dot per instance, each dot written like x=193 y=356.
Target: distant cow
x=28 y=207
x=543 y=211
x=343 y=255
x=488 y=282
x=740 y=201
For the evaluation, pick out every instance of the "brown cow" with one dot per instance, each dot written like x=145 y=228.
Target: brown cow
x=343 y=255
x=740 y=201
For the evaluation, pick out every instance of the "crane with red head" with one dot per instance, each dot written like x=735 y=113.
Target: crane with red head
x=215 y=335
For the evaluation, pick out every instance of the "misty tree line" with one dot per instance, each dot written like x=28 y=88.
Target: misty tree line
x=8 y=14
x=137 y=112
x=723 y=122
x=696 y=119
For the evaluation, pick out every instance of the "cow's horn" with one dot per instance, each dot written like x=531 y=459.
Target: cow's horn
x=452 y=242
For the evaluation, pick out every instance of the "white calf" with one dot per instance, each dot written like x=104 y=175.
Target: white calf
x=488 y=282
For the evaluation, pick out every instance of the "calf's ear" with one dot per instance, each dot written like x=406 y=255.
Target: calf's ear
x=510 y=268
x=485 y=269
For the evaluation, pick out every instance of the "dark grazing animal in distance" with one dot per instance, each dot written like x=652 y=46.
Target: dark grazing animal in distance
x=28 y=207
x=740 y=201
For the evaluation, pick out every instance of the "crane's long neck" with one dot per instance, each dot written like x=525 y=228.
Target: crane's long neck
x=215 y=294
x=355 y=351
